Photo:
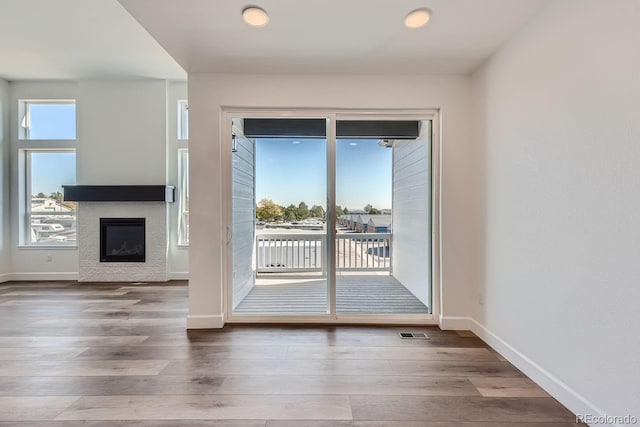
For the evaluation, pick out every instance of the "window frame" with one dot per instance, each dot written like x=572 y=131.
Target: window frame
x=25 y=146
x=24 y=118
x=183 y=187
x=183 y=120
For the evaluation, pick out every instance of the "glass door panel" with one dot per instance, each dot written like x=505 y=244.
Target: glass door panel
x=279 y=214
x=383 y=226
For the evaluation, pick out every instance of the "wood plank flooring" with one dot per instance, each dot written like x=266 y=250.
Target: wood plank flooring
x=116 y=354
x=355 y=293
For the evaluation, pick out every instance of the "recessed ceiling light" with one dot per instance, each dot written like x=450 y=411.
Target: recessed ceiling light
x=255 y=16
x=353 y=144
x=417 y=18
x=295 y=142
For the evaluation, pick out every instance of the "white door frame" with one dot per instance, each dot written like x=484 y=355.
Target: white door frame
x=333 y=114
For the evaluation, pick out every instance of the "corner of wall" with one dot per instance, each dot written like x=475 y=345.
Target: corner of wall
x=5 y=237
x=455 y=323
x=566 y=395
x=205 y=321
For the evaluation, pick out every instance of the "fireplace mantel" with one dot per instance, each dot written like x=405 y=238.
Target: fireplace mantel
x=119 y=193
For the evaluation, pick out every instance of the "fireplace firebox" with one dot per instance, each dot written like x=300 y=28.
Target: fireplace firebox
x=122 y=240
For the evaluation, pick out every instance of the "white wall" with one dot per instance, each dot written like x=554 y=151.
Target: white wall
x=557 y=141
x=412 y=214
x=126 y=133
x=5 y=243
x=209 y=92
x=122 y=132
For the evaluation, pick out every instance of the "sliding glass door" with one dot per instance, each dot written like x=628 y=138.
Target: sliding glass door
x=330 y=218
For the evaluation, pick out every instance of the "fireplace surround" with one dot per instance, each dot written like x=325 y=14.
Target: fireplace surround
x=148 y=202
x=155 y=267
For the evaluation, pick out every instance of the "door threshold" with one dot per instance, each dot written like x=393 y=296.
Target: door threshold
x=346 y=319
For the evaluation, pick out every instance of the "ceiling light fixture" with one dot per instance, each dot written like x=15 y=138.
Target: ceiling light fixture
x=255 y=16
x=417 y=18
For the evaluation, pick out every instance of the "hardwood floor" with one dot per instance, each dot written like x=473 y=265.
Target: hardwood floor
x=118 y=355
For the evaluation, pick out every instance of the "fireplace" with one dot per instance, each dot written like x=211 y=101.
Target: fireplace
x=122 y=240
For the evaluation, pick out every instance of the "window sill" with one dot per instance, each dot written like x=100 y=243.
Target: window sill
x=48 y=247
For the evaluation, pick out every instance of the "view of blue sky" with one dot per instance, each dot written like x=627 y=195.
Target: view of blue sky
x=363 y=174
x=50 y=170
x=52 y=121
x=289 y=171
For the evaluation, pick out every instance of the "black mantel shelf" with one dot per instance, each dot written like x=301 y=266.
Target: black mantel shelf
x=119 y=193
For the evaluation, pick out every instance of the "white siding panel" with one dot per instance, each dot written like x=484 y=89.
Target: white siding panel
x=243 y=229
x=411 y=252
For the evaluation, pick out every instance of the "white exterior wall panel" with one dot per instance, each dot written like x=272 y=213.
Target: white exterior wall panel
x=411 y=251
x=243 y=228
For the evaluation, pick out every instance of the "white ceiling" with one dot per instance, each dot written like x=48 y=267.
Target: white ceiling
x=76 y=39
x=332 y=36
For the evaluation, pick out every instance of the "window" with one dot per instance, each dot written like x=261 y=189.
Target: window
x=183 y=195
x=183 y=120
x=46 y=218
x=50 y=119
x=49 y=219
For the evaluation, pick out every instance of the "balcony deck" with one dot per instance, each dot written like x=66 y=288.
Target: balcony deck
x=356 y=294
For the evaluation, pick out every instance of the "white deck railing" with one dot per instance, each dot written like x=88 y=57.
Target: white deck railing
x=363 y=251
x=289 y=253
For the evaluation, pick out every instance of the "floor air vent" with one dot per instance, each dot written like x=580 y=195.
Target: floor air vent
x=414 y=335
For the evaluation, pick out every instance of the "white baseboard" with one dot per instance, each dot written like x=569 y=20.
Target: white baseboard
x=44 y=276
x=205 y=321
x=452 y=323
x=575 y=402
x=179 y=275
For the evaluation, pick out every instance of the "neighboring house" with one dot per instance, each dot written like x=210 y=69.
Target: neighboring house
x=349 y=220
x=365 y=223
x=361 y=223
x=379 y=224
